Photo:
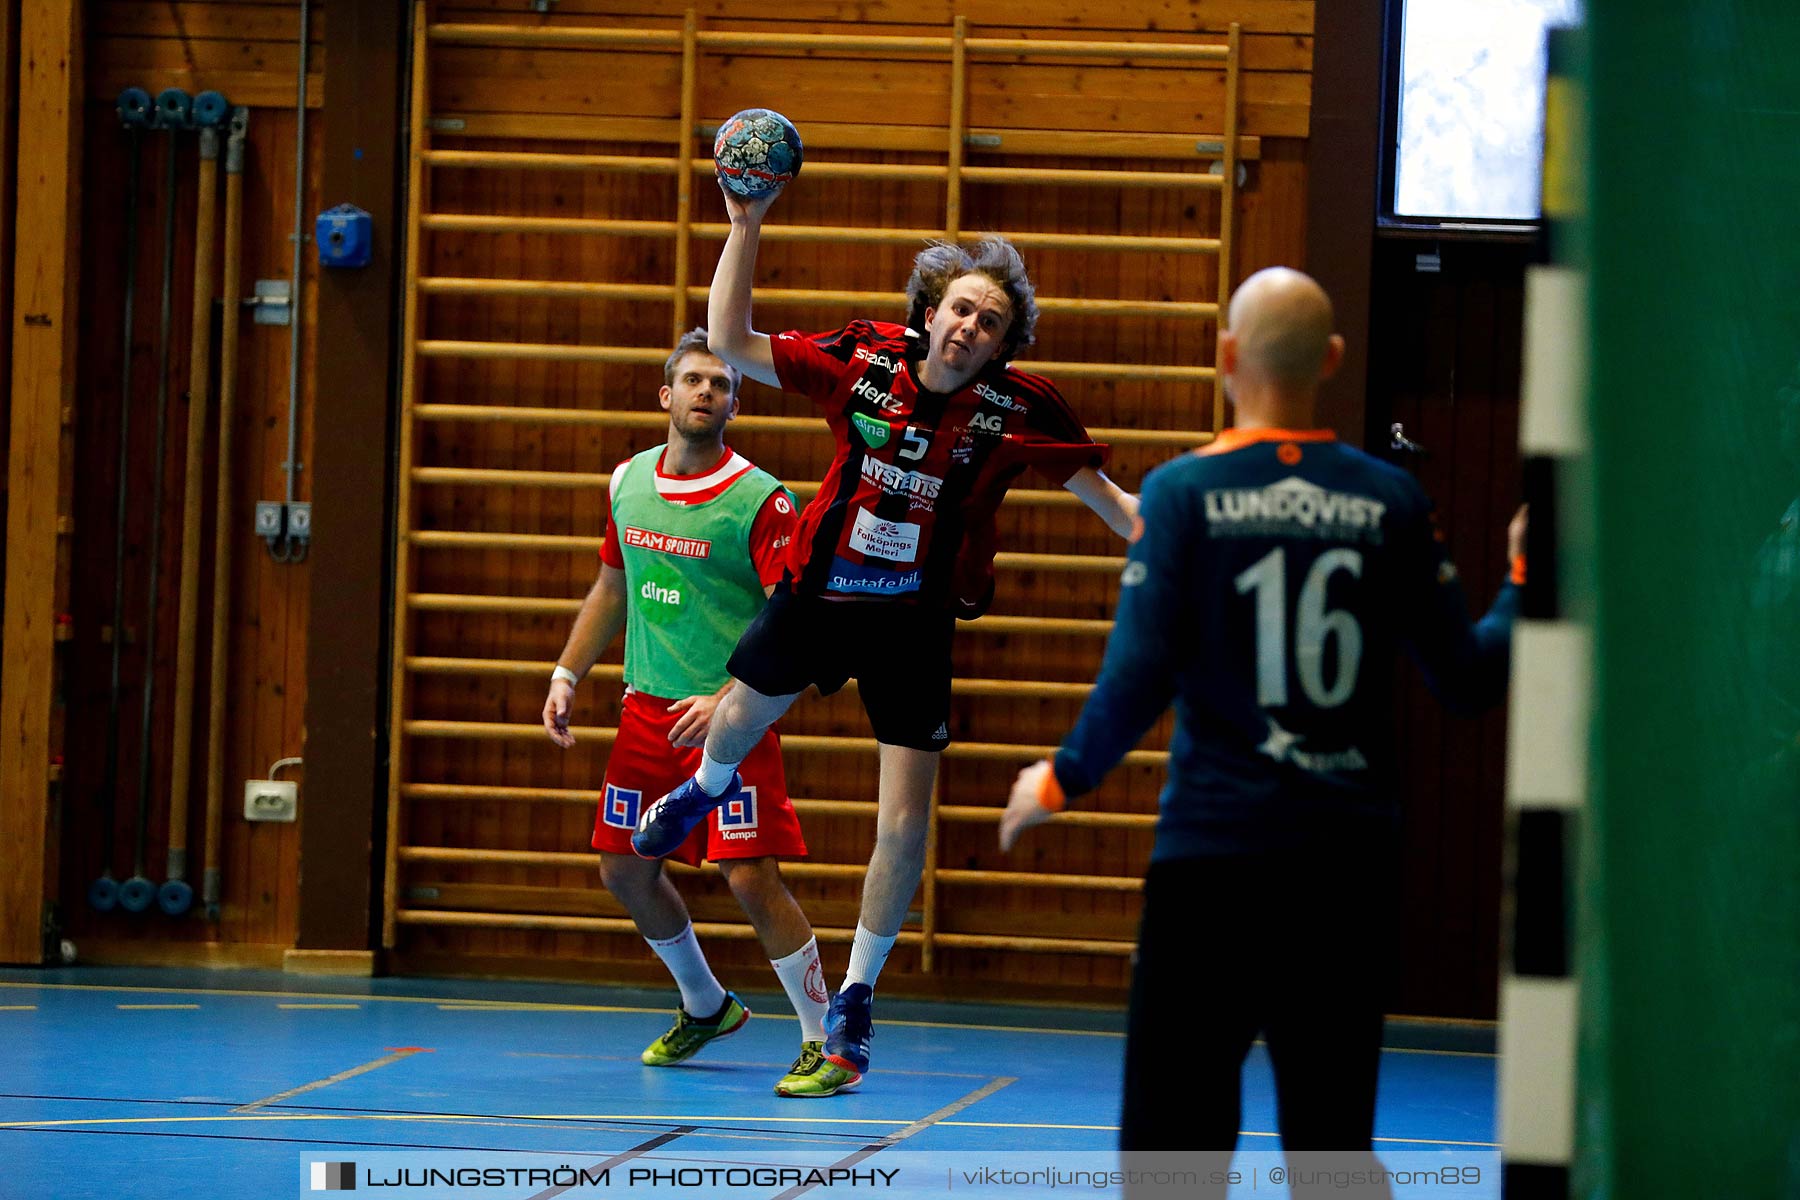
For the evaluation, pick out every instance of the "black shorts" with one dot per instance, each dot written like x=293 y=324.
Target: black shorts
x=898 y=654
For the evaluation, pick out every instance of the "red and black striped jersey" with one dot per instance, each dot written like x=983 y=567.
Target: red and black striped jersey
x=906 y=511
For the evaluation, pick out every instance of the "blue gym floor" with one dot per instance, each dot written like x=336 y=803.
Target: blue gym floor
x=229 y=1083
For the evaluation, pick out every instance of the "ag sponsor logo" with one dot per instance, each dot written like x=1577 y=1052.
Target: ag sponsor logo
x=883 y=400
x=1001 y=398
x=859 y=578
x=896 y=541
x=664 y=543
x=874 y=433
x=620 y=807
x=893 y=481
x=737 y=817
x=988 y=422
x=1294 y=507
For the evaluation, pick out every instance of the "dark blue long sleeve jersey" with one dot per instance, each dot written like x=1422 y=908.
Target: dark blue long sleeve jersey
x=1274 y=579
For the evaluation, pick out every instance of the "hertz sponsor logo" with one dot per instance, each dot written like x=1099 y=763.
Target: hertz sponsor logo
x=883 y=400
x=663 y=543
x=1294 y=507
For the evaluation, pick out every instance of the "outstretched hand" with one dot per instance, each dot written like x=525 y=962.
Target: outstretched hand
x=746 y=209
x=1023 y=809
x=556 y=712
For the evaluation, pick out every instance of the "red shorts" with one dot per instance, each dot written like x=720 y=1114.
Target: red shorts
x=644 y=766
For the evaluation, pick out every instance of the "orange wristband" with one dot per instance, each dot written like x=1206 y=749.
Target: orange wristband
x=1518 y=570
x=1050 y=793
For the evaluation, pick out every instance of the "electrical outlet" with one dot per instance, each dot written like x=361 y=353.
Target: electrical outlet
x=270 y=800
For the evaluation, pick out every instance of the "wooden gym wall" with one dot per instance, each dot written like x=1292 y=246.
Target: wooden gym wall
x=1151 y=117
x=249 y=52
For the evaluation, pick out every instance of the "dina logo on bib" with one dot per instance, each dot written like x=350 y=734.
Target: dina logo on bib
x=874 y=433
x=659 y=596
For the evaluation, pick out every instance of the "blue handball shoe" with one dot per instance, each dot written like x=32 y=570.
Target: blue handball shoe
x=847 y=1027
x=666 y=824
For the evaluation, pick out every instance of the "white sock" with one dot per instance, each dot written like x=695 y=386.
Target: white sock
x=701 y=994
x=867 y=954
x=713 y=775
x=803 y=979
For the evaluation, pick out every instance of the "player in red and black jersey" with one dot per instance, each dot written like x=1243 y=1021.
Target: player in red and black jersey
x=932 y=425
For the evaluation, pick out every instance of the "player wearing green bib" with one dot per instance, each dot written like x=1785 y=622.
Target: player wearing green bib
x=695 y=537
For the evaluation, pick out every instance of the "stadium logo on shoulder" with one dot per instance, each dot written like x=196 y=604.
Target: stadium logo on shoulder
x=1294 y=507
x=1001 y=398
x=878 y=360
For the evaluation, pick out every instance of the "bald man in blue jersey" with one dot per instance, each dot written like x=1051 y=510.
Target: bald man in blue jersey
x=1272 y=580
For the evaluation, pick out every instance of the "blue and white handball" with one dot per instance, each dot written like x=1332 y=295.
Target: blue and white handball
x=757 y=152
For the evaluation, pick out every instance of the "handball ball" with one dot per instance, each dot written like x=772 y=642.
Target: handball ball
x=757 y=152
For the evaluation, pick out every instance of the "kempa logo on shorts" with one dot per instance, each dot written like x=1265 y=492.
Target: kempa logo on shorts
x=737 y=817
x=875 y=433
x=621 y=807
x=1001 y=398
x=1294 y=506
x=896 y=482
x=883 y=400
x=663 y=543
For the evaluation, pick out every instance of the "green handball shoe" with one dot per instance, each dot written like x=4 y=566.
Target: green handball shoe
x=815 y=1075
x=689 y=1033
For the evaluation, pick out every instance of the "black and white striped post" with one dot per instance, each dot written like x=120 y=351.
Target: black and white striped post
x=1552 y=680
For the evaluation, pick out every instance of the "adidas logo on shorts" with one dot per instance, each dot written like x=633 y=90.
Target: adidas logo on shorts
x=942 y=732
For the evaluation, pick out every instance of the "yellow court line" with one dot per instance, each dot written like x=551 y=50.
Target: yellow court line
x=384 y=1061
x=454 y=1118
x=313 y=1006
x=523 y=1006
x=18 y=1008
x=462 y=1118
x=149 y=1007
x=504 y=1004
x=180 y=991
